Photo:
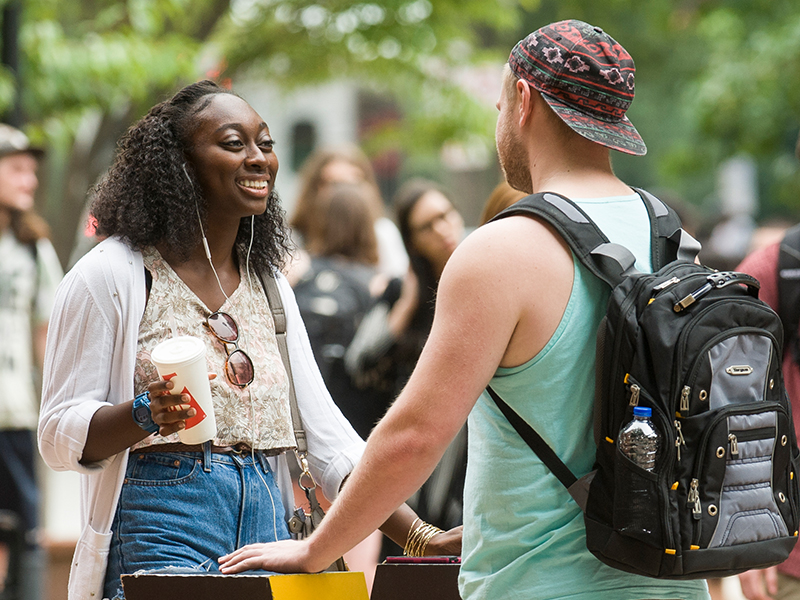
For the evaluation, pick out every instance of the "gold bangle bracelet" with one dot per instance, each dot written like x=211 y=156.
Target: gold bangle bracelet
x=419 y=537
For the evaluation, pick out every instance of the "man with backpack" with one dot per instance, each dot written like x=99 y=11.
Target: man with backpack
x=29 y=274
x=517 y=311
x=777 y=267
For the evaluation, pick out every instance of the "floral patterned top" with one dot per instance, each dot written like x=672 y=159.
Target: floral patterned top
x=258 y=414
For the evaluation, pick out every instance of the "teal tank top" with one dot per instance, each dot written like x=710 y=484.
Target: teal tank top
x=524 y=536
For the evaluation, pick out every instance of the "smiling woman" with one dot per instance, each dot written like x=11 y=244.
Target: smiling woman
x=191 y=218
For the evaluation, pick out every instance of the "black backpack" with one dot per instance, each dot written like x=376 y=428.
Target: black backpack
x=333 y=296
x=701 y=350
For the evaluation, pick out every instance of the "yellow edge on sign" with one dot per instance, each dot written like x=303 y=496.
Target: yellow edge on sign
x=321 y=586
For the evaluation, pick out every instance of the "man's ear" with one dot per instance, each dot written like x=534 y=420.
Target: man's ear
x=524 y=93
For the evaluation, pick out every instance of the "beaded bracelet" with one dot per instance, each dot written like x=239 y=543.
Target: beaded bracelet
x=418 y=537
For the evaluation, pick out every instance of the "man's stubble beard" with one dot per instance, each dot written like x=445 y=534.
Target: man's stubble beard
x=513 y=159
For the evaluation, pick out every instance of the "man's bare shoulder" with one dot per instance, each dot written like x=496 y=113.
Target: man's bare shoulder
x=517 y=274
x=514 y=242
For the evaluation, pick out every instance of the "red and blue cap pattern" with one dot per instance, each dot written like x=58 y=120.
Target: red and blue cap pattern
x=586 y=77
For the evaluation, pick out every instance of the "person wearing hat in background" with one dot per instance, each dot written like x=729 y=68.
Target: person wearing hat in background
x=29 y=274
x=514 y=310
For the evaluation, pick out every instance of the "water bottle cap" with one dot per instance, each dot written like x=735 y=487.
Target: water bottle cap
x=642 y=411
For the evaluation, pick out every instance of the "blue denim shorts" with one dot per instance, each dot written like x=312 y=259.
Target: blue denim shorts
x=180 y=511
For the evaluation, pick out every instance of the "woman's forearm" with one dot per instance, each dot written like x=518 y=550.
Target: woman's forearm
x=111 y=430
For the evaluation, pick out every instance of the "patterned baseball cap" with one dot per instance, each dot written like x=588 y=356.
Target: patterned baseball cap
x=586 y=77
x=13 y=141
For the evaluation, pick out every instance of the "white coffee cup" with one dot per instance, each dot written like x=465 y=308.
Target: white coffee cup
x=183 y=361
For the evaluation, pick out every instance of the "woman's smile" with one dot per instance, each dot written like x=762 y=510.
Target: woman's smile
x=259 y=188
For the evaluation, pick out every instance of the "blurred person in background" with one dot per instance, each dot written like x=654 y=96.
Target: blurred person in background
x=342 y=164
x=390 y=338
x=783 y=581
x=337 y=290
x=29 y=274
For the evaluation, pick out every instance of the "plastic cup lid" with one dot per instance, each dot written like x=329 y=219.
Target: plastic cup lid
x=178 y=350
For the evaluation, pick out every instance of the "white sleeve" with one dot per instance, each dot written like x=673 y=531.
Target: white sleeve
x=334 y=447
x=76 y=379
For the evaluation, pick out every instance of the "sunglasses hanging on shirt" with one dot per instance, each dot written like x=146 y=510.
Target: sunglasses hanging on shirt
x=238 y=366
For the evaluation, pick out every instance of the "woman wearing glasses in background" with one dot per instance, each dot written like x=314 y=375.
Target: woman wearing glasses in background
x=191 y=216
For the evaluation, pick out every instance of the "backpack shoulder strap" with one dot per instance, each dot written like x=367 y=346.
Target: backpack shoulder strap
x=789 y=290
x=607 y=260
x=270 y=286
x=577 y=488
x=610 y=262
x=670 y=242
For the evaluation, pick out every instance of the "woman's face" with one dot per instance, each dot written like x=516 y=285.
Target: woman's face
x=436 y=228
x=231 y=152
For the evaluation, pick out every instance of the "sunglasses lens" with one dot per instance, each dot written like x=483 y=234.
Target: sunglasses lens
x=223 y=326
x=239 y=368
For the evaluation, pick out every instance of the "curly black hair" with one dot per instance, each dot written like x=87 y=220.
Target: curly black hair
x=148 y=196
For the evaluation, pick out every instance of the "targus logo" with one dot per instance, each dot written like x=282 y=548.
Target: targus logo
x=739 y=370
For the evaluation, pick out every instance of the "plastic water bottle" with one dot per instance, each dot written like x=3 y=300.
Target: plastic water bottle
x=639 y=439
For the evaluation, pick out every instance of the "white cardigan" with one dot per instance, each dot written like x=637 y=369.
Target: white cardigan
x=89 y=363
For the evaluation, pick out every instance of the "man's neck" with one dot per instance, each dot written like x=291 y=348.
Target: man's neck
x=581 y=183
x=581 y=169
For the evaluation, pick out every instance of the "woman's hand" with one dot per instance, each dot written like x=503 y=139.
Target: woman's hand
x=447 y=543
x=167 y=411
x=286 y=556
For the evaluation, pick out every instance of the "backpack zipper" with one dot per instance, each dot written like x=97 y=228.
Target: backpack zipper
x=694 y=499
x=664 y=285
x=685 y=392
x=635 y=391
x=734 y=443
x=749 y=435
x=679 y=441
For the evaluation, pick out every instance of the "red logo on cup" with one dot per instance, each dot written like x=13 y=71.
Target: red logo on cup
x=195 y=420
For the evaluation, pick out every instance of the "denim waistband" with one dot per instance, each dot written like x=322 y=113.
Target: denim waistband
x=226 y=454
